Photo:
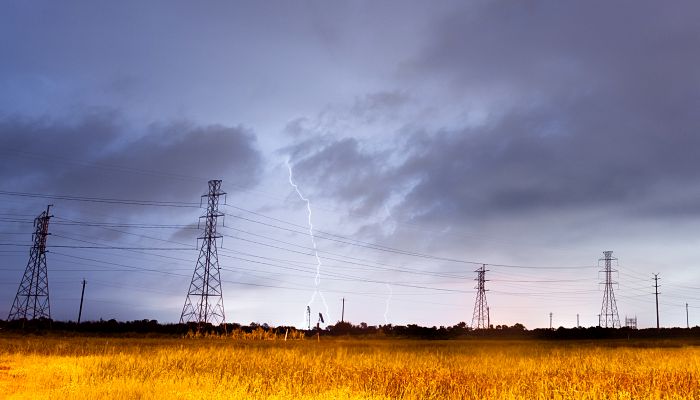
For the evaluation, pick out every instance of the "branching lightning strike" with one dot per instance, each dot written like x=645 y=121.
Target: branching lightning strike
x=386 y=310
x=319 y=264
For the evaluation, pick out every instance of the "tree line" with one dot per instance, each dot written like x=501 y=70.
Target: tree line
x=341 y=329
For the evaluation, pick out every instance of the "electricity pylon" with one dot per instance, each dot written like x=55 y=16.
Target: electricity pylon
x=205 y=300
x=32 y=299
x=480 y=318
x=609 y=318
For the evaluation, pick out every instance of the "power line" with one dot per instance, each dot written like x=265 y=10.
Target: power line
x=377 y=247
x=346 y=277
x=101 y=247
x=401 y=270
x=324 y=235
x=149 y=203
x=119 y=248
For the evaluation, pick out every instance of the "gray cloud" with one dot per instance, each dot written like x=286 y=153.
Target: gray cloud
x=379 y=106
x=342 y=169
x=571 y=48
x=594 y=113
x=99 y=152
x=554 y=158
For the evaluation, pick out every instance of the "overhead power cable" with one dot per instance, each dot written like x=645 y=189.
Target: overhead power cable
x=150 y=203
x=373 y=246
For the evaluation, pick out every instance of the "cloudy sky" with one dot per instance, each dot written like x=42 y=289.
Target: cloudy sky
x=429 y=137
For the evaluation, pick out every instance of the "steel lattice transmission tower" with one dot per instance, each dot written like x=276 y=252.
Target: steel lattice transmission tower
x=480 y=319
x=32 y=299
x=205 y=300
x=609 y=318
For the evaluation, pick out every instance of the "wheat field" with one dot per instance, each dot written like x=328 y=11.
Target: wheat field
x=208 y=368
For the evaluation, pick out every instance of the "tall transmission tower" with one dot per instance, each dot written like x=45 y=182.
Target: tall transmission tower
x=550 y=321
x=32 y=299
x=205 y=300
x=480 y=318
x=609 y=318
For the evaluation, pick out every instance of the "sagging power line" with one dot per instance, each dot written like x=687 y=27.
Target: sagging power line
x=335 y=238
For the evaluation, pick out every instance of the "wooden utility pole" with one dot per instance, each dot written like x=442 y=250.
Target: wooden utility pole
x=656 y=293
x=342 y=315
x=82 y=295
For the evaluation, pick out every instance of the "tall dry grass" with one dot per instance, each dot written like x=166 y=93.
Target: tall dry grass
x=206 y=368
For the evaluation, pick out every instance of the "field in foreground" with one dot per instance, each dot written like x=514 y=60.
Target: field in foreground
x=109 y=368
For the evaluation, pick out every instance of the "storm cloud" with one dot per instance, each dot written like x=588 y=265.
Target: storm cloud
x=119 y=159
x=580 y=111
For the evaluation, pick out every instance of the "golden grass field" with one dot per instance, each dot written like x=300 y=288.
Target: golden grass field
x=169 y=368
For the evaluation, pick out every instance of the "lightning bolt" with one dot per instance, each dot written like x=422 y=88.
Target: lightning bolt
x=319 y=264
x=386 y=310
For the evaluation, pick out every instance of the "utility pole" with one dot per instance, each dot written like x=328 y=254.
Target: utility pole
x=608 y=310
x=578 y=325
x=687 y=320
x=342 y=314
x=82 y=294
x=656 y=294
x=480 y=318
x=488 y=317
x=32 y=299
x=205 y=300
x=308 y=318
x=550 y=321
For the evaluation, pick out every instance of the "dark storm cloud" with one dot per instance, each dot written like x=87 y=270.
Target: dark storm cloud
x=598 y=108
x=342 y=169
x=585 y=109
x=525 y=162
x=514 y=167
x=102 y=155
x=565 y=46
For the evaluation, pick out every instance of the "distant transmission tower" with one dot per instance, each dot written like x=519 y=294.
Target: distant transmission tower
x=205 y=301
x=480 y=319
x=32 y=299
x=609 y=318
